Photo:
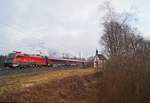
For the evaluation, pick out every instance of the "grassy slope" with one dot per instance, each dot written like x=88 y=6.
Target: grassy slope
x=19 y=81
x=71 y=89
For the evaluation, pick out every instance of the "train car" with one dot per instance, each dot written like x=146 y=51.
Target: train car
x=18 y=59
x=65 y=62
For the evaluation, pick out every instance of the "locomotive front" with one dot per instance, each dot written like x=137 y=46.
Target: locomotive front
x=10 y=60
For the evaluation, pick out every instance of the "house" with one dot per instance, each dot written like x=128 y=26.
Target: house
x=99 y=61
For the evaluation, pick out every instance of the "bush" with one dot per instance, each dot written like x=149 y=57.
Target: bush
x=126 y=80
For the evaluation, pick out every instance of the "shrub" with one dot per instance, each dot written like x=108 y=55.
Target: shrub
x=126 y=80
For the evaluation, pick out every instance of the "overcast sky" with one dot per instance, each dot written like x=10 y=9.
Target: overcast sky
x=69 y=26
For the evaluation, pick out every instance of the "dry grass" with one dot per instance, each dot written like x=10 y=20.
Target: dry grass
x=20 y=81
x=74 y=89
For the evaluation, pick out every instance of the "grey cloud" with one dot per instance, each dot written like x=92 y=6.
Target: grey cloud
x=51 y=25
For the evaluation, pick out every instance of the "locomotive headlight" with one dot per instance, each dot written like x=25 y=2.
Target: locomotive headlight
x=15 y=65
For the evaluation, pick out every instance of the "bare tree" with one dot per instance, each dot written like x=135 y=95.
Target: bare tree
x=119 y=38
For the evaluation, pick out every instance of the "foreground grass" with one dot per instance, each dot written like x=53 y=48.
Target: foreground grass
x=18 y=82
x=72 y=89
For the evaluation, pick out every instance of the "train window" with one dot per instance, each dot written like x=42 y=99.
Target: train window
x=26 y=54
x=19 y=56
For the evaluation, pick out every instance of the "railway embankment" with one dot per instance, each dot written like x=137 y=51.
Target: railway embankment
x=21 y=80
x=71 y=86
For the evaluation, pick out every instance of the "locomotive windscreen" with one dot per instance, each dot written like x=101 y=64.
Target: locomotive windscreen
x=10 y=56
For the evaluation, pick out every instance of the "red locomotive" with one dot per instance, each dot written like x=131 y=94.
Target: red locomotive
x=18 y=59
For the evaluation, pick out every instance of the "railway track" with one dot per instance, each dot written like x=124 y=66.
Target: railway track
x=11 y=71
x=5 y=71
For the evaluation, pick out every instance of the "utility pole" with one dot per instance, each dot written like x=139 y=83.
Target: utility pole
x=80 y=55
x=63 y=55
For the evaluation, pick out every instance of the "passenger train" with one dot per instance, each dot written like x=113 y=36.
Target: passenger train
x=19 y=59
